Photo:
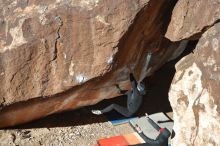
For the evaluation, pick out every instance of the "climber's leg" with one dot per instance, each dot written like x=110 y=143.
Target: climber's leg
x=122 y=110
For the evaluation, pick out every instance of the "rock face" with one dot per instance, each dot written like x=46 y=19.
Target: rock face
x=194 y=93
x=64 y=54
x=191 y=18
x=49 y=47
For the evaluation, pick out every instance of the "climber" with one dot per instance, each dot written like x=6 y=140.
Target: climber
x=134 y=98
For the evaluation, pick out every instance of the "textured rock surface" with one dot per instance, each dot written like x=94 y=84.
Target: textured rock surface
x=191 y=17
x=195 y=96
x=64 y=54
x=48 y=47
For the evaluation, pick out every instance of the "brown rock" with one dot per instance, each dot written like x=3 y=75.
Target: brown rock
x=194 y=93
x=49 y=47
x=191 y=18
x=64 y=54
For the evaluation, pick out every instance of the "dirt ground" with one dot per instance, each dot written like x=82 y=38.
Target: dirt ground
x=85 y=135
x=80 y=127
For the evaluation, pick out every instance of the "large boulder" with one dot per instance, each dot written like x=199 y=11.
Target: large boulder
x=191 y=18
x=194 y=94
x=50 y=46
x=64 y=54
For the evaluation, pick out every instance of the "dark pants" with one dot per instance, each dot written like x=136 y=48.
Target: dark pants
x=122 y=110
x=134 y=100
